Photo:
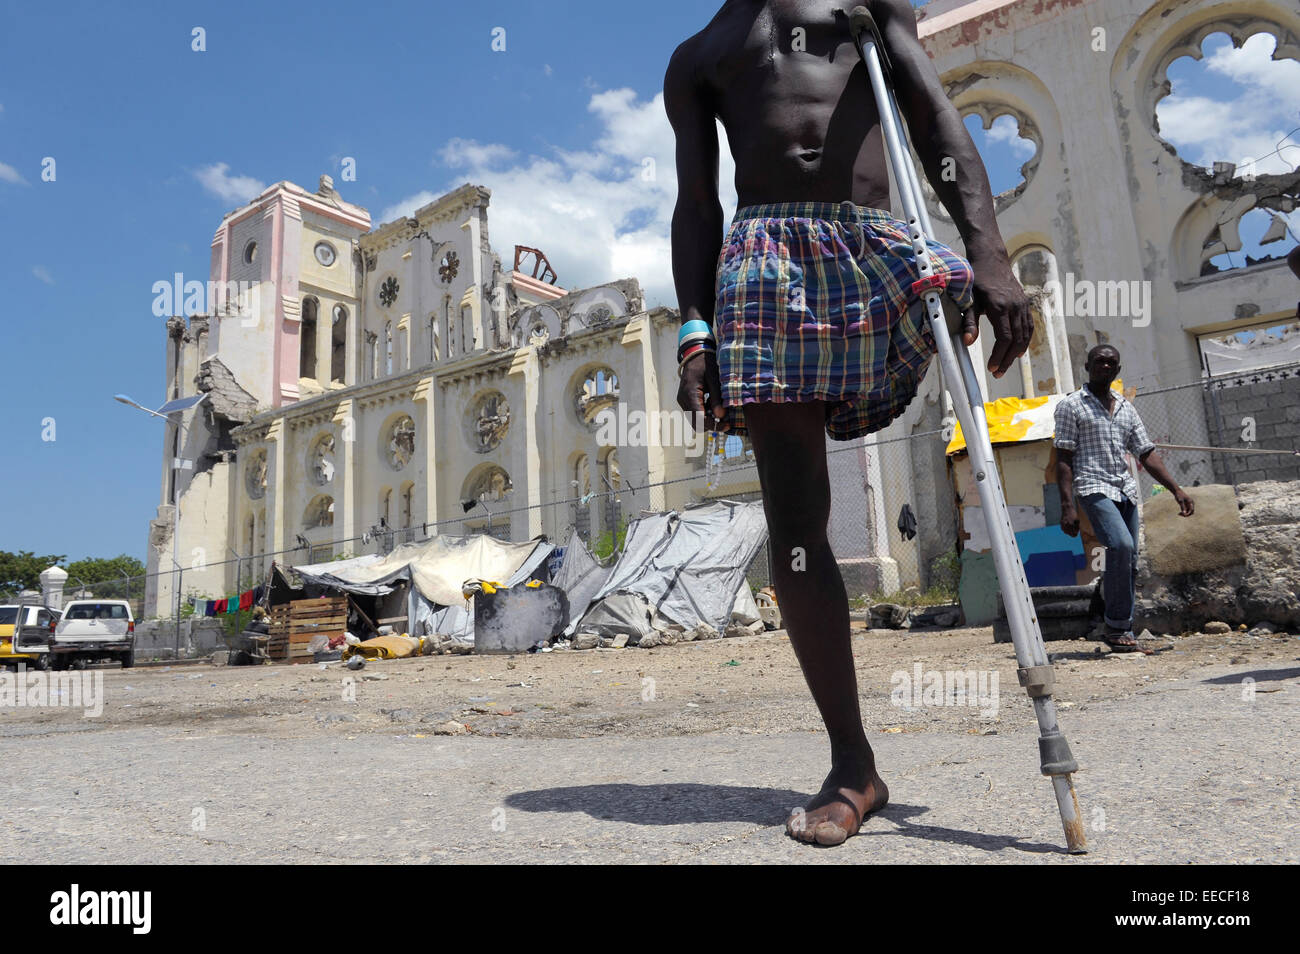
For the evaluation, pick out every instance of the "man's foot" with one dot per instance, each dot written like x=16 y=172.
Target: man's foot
x=1122 y=641
x=851 y=792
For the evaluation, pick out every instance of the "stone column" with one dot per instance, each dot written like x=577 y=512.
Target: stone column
x=881 y=568
x=525 y=363
x=345 y=489
x=277 y=480
x=426 y=405
x=52 y=580
x=637 y=338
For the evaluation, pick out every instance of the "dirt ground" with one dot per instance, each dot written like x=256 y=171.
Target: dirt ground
x=743 y=685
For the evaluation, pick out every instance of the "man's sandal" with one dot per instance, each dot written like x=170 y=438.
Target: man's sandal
x=1124 y=642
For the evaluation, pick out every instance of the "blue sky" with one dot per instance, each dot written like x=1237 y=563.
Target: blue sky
x=154 y=142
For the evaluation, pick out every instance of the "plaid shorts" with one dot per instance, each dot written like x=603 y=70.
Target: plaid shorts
x=814 y=301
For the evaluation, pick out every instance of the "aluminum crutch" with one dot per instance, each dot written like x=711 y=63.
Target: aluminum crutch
x=1035 y=670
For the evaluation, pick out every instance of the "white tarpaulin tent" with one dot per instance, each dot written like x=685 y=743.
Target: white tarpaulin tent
x=686 y=568
x=437 y=566
x=436 y=569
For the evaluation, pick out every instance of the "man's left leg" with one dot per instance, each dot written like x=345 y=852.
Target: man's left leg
x=790 y=454
x=1115 y=534
x=1129 y=511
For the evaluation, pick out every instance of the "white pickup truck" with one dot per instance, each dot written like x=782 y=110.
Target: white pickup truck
x=93 y=629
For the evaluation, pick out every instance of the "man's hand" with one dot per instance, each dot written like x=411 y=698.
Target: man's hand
x=999 y=296
x=1069 y=521
x=700 y=379
x=1185 y=505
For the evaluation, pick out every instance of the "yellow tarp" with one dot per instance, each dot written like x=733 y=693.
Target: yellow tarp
x=1013 y=419
x=384 y=647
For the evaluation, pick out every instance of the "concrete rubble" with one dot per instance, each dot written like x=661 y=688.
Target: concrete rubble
x=1264 y=590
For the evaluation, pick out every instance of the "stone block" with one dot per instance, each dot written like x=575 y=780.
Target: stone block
x=1210 y=539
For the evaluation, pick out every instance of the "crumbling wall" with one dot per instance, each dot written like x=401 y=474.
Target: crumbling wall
x=156 y=638
x=1269 y=410
x=1265 y=589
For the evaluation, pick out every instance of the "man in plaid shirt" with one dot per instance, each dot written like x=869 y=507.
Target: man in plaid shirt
x=1094 y=427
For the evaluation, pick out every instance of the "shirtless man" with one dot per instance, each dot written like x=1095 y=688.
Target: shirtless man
x=808 y=294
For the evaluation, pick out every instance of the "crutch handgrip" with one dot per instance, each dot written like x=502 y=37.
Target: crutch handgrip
x=861 y=21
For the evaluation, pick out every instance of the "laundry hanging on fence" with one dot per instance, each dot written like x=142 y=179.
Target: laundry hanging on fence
x=907 y=522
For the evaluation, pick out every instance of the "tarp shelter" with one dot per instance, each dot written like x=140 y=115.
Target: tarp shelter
x=435 y=568
x=685 y=568
x=580 y=576
x=1013 y=419
x=1020 y=430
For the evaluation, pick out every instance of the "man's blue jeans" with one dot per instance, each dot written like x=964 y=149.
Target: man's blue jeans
x=1116 y=526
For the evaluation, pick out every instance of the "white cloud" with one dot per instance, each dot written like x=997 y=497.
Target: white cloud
x=1006 y=130
x=546 y=68
x=43 y=273
x=9 y=174
x=598 y=213
x=406 y=207
x=1253 y=65
x=217 y=181
x=1246 y=125
x=468 y=152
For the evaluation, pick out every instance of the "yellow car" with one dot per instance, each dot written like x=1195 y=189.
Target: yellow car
x=30 y=644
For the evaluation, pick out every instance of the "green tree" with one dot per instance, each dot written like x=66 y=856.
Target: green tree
x=98 y=569
x=120 y=578
x=609 y=543
x=22 y=570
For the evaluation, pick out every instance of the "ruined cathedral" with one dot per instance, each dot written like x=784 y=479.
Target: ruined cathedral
x=396 y=376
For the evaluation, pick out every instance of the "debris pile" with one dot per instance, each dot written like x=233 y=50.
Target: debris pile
x=1264 y=590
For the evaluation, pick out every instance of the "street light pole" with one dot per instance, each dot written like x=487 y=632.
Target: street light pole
x=178 y=463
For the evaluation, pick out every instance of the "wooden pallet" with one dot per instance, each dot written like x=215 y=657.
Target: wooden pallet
x=294 y=625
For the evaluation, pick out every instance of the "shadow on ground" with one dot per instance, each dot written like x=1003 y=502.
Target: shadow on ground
x=1259 y=675
x=695 y=804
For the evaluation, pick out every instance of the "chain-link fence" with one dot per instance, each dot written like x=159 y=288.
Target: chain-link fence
x=871 y=484
x=1219 y=423
x=600 y=518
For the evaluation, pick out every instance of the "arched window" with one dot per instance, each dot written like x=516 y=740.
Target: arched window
x=582 y=487
x=320 y=512
x=451 y=328
x=408 y=495
x=467 y=342
x=386 y=507
x=388 y=347
x=596 y=390
x=339 y=345
x=433 y=338
x=372 y=355
x=1045 y=367
x=307 y=339
x=612 y=479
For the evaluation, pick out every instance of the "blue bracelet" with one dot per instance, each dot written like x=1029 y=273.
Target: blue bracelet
x=695 y=324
